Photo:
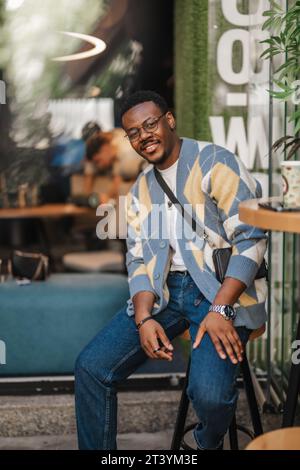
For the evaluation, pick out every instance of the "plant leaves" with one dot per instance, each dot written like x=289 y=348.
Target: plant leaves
x=277 y=144
x=294 y=149
x=295 y=115
x=275 y=6
x=297 y=127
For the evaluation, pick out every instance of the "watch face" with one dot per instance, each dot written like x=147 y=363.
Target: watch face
x=229 y=312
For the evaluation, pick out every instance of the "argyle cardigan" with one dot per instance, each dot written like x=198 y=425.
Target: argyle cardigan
x=212 y=182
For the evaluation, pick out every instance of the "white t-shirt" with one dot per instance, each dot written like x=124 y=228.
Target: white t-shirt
x=169 y=175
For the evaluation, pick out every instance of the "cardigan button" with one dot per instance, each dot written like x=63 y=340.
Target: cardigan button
x=162 y=244
x=156 y=276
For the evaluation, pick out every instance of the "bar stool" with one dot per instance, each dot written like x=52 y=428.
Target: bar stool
x=180 y=430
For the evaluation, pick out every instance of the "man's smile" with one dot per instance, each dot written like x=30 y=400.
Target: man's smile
x=150 y=146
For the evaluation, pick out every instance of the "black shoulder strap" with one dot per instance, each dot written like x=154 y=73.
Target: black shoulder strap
x=186 y=215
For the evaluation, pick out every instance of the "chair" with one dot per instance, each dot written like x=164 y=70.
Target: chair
x=180 y=430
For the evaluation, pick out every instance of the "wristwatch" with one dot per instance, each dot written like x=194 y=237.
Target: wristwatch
x=227 y=311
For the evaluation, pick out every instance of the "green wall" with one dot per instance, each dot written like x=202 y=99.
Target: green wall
x=192 y=101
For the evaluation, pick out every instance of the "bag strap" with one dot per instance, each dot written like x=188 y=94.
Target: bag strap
x=196 y=227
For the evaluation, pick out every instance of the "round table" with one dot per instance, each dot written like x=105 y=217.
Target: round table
x=281 y=439
x=252 y=214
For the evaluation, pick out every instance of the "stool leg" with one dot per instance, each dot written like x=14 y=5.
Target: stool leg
x=251 y=398
x=233 y=437
x=182 y=413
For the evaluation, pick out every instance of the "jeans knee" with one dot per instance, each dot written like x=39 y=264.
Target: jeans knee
x=85 y=364
x=207 y=400
x=88 y=367
x=80 y=364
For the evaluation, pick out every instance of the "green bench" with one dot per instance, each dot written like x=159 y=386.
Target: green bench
x=46 y=324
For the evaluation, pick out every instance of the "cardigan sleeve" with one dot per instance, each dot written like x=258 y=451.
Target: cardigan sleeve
x=138 y=278
x=229 y=183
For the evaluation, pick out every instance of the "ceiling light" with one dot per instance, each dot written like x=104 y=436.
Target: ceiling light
x=99 y=46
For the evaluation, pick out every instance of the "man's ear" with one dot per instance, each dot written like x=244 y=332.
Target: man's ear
x=171 y=120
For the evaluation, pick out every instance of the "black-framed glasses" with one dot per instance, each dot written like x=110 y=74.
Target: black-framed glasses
x=149 y=126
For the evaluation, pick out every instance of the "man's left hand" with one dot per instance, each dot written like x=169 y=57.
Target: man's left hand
x=223 y=335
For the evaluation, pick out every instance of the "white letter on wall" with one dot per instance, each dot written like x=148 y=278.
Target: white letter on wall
x=232 y=14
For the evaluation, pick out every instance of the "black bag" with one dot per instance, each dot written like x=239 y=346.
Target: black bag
x=33 y=266
x=221 y=256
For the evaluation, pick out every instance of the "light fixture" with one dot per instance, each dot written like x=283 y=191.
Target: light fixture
x=99 y=46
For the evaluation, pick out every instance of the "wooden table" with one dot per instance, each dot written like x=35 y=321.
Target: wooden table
x=47 y=211
x=281 y=439
x=39 y=214
x=252 y=214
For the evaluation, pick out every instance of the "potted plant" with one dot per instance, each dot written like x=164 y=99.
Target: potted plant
x=284 y=41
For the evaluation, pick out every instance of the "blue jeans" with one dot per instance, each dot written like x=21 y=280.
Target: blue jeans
x=115 y=353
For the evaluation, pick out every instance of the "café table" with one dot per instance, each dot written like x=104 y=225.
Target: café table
x=46 y=211
x=251 y=213
x=43 y=212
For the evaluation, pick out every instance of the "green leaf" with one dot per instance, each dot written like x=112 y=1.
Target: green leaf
x=267 y=41
x=282 y=85
x=297 y=127
x=295 y=116
x=277 y=39
x=281 y=95
x=268 y=13
x=267 y=24
x=275 y=6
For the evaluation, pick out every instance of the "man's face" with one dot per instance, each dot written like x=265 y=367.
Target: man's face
x=154 y=146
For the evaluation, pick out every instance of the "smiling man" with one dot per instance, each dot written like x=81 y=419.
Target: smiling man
x=173 y=281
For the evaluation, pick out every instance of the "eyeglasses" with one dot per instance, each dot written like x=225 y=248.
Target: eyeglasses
x=149 y=126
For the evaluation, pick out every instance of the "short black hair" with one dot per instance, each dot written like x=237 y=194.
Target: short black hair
x=141 y=97
x=95 y=142
x=89 y=129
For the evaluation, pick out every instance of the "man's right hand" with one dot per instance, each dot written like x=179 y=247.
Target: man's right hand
x=152 y=334
x=152 y=337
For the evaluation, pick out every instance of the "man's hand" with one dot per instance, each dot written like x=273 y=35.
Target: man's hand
x=223 y=335
x=152 y=337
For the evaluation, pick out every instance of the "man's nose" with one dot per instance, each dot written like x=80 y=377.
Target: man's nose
x=143 y=134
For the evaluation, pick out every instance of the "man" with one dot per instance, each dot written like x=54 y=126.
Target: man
x=173 y=283
x=109 y=152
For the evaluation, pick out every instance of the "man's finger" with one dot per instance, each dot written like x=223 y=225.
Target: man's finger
x=238 y=340
x=236 y=346
x=201 y=332
x=165 y=340
x=228 y=348
x=158 y=351
x=149 y=350
x=218 y=346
